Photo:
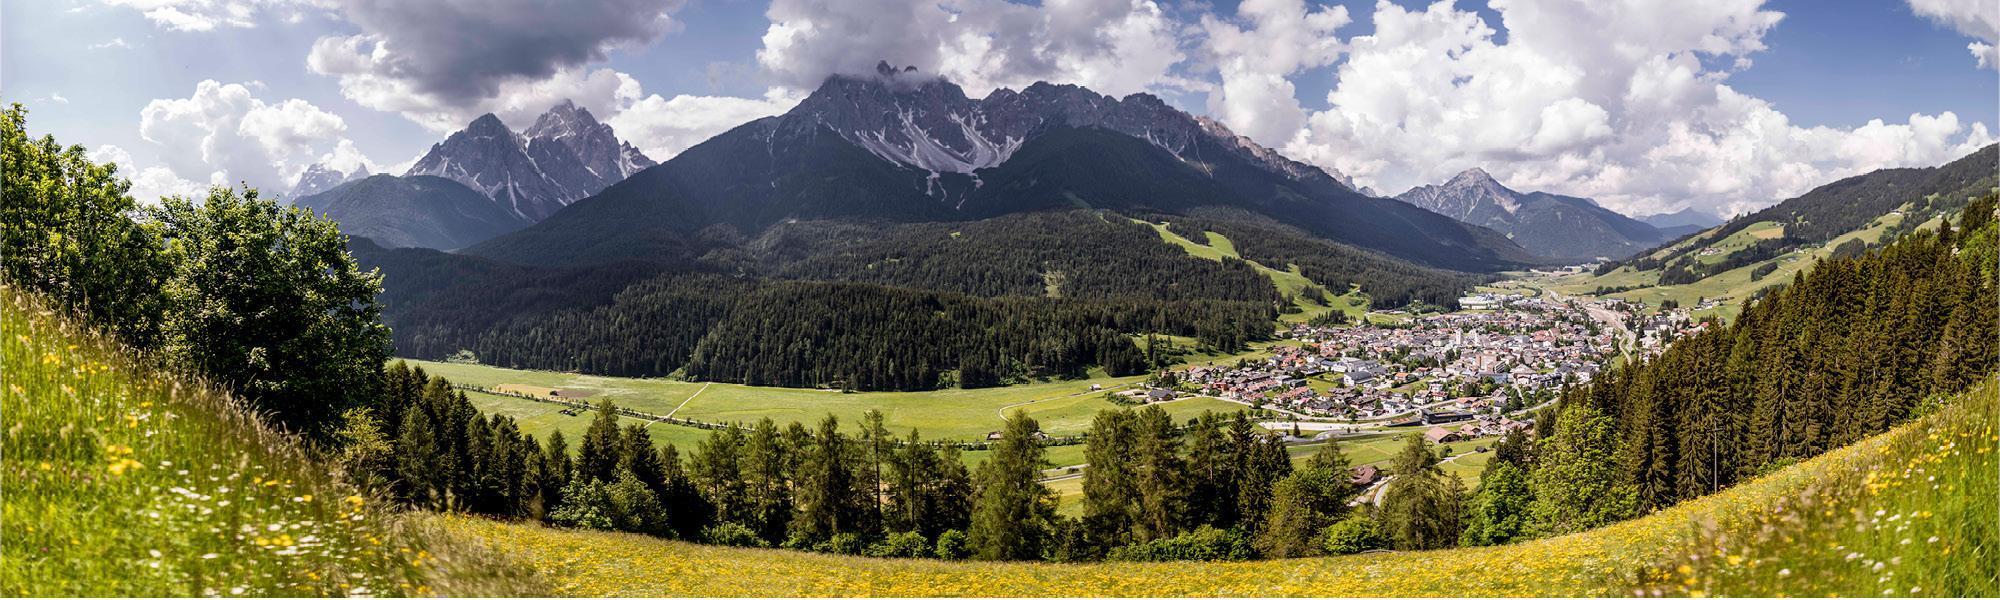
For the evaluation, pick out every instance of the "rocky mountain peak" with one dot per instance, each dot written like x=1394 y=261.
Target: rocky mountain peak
x=565 y=156
x=319 y=178
x=928 y=123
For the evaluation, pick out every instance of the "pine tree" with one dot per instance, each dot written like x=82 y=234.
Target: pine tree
x=1157 y=475
x=1110 y=489
x=718 y=472
x=767 y=504
x=829 y=495
x=1012 y=511
x=1422 y=510
x=1306 y=502
x=598 y=457
x=557 y=469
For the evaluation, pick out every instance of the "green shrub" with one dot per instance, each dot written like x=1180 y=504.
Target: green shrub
x=951 y=545
x=732 y=534
x=1204 y=544
x=1358 y=533
x=906 y=544
x=845 y=543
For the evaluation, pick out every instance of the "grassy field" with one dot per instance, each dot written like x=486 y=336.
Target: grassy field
x=1918 y=501
x=1063 y=407
x=123 y=481
x=1288 y=280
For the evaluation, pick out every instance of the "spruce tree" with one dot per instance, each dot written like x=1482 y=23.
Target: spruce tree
x=766 y=507
x=1422 y=509
x=597 y=459
x=1012 y=511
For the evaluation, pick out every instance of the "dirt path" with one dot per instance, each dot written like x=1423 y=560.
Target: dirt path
x=690 y=398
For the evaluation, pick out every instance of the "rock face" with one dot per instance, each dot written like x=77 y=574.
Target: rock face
x=565 y=156
x=928 y=123
x=1548 y=225
x=319 y=178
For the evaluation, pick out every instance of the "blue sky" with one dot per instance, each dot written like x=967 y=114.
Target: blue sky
x=89 y=69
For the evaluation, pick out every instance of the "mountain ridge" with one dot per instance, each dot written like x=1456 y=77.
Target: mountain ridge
x=1549 y=225
x=899 y=146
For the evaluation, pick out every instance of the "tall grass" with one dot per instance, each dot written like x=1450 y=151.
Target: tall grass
x=1916 y=513
x=118 y=479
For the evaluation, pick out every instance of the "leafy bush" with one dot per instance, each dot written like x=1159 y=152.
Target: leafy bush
x=845 y=543
x=1204 y=544
x=907 y=544
x=951 y=545
x=1358 y=533
x=732 y=534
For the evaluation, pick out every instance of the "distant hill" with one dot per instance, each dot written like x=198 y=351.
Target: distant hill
x=1683 y=218
x=419 y=211
x=898 y=146
x=1548 y=225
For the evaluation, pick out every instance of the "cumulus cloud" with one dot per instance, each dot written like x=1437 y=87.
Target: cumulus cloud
x=429 y=60
x=1612 y=100
x=149 y=184
x=1978 y=19
x=117 y=42
x=1113 y=46
x=225 y=134
x=1257 y=52
x=663 y=127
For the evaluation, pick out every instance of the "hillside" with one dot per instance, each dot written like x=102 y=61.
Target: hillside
x=1815 y=528
x=414 y=211
x=119 y=479
x=1737 y=260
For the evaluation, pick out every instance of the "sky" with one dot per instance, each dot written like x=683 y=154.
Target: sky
x=1646 y=106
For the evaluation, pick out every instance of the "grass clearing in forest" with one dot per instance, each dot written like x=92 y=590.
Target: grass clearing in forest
x=1063 y=407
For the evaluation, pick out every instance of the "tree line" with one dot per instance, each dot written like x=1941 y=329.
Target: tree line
x=711 y=327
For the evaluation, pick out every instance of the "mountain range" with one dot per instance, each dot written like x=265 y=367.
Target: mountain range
x=564 y=156
x=1548 y=225
x=900 y=146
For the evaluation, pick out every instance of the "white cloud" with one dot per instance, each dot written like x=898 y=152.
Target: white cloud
x=663 y=127
x=1978 y=19
x=1255 y=54
x=224 y=134
x=1115 y=47
x=117 y=42
x=149 y=184
x=1609 y=100
x=207 y=15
